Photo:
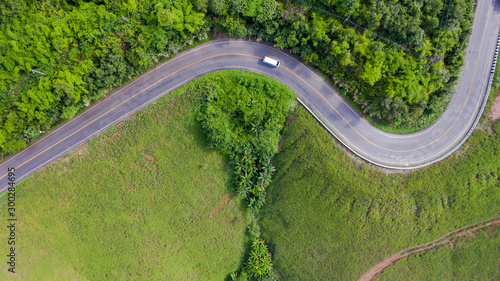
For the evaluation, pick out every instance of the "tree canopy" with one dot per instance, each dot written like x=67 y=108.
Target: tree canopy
x=87 y=48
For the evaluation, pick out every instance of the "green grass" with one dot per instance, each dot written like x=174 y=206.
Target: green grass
x=149 y=199
x=420 y=124
x=424 y=122
x=329 y=217
x=473 y=257
x=110 y=91
x=146 y=200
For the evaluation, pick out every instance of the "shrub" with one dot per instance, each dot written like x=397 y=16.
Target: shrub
x=243 y=116
x=241 y=276
x=259 y=263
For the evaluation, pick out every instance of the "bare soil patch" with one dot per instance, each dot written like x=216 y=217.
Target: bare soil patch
x=219 y=207
x=448 y=238
x=495 y=109
x=150 y=158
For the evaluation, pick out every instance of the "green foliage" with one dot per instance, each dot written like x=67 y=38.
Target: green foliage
x=393 y=87
x=166 y=17
x=9 y=9
x=243 y=115
x=266 y=11
x=239 y=6
x=270 y=276
x=259 y=263
x=253 y=227
x=69 y=112
x=495 y=84
x=160 y=189
x=252 y=176
x=86 y=49
x=201 y=5
x=243 y=111
x=343 y=217
x=181 y=17
x=235 y=27
x=240 y=276
x=469 y=258
x=218 y=7
x=111 y=72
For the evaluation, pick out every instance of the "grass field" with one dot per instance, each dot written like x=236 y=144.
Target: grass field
x=146 y=200
x=329 y=217
x=149 y=199
x=474 y=257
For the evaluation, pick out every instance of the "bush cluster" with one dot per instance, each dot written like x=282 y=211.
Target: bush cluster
x=404 y=82
x=243 y=117
x=87 y=49
x=259 y=261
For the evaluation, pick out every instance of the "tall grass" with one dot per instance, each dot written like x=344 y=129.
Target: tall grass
x=146 y=200
x=329 y=217
x=474 y=257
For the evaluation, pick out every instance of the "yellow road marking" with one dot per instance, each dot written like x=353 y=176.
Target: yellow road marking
x=456 y=120
x=241 y=54
x=226 y=54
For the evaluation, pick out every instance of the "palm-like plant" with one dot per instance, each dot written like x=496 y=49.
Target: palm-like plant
x=256 y=128
x=259 y=262
x=268 y=168
x=245 y=180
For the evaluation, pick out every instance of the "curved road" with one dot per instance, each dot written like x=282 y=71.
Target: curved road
x=382 y=148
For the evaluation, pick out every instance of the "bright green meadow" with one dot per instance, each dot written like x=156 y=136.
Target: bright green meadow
x=150 y=199
x=146 y=200
x=332 y=217
x=470 y=258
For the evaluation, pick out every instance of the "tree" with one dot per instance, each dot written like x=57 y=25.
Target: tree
x=239 y=6
x=166 y=17
x=319 y=30
x=111 y=71
x=9 y=9
x=218 y=7
x=235 y=27
x=201 y=5
x=182 y=17
x=267 y=11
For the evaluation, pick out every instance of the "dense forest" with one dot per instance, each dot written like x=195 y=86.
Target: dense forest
x=401 y=69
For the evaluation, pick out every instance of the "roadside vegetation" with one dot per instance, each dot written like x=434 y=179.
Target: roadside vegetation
x=243 y=114
x=330 y=216
x=495 y=84
x=404 y=87
x=468 y=258
x=146 y=200
x=87 y=48
x=486 y=119
x=151 y=199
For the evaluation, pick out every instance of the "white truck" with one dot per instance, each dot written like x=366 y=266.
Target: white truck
x=271 y=61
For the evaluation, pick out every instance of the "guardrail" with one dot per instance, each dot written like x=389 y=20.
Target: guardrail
x=478 y=117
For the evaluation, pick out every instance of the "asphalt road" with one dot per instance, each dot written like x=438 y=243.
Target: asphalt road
x=361 y=137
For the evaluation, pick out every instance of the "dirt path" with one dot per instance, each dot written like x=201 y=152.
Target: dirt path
x=448 y=238
x=495 y=109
